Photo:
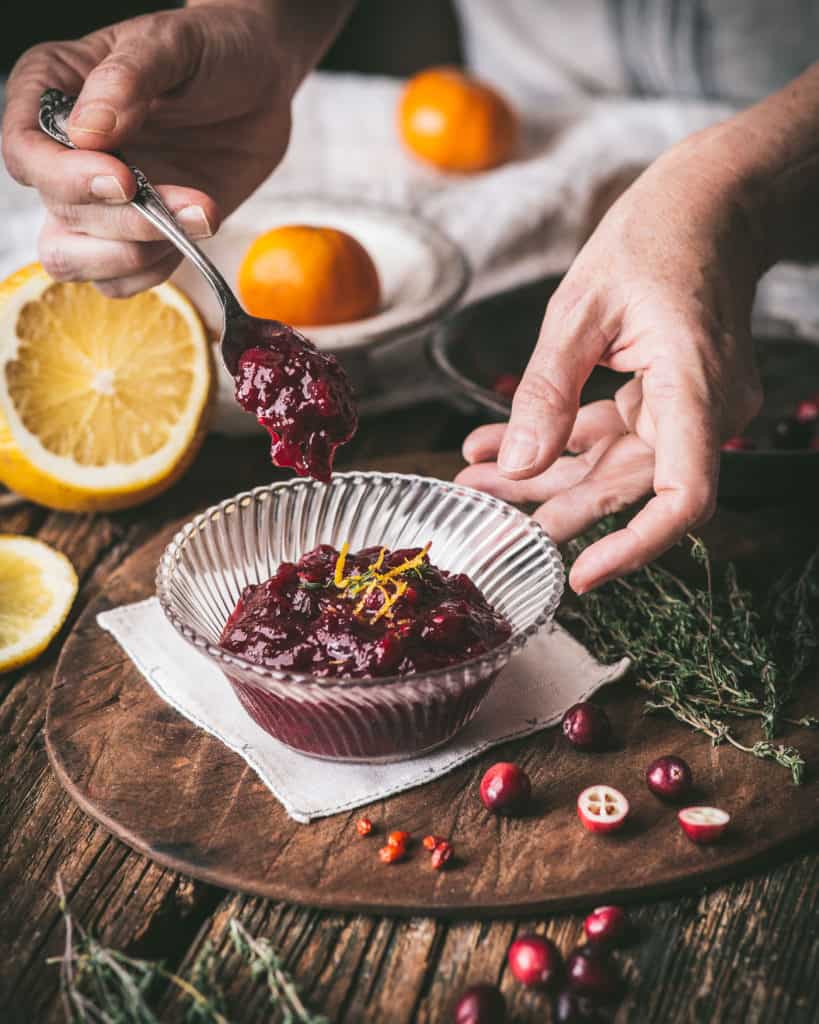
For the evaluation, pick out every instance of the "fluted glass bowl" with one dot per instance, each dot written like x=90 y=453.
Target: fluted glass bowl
x=243 y=540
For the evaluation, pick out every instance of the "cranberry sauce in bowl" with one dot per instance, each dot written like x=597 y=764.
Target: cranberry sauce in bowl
x=359 y=616
x=308 y=661
x=301 y=396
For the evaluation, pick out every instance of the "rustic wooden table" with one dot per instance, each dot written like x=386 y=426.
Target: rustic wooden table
x=746 y=951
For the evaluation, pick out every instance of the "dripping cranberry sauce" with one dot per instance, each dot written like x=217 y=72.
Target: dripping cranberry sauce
x=417 y=620
x=301 y=396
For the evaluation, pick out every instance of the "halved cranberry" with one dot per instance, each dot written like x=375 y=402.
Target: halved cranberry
x=703 y=824
x=606 y=926
x=602 y=808
x=505 y=788
x=535 y=961
x=669 y=777
x=738 y=444
x=480 y=1004
x=592 y=972
x=587 y=726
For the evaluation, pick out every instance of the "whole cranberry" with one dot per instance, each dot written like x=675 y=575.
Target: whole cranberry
x=669 y=777
x=606 y=926
x=505 y=788
x=808 y=410
x=480 y=1004
x=592 y=973
x=535 y=961
x=587 y=726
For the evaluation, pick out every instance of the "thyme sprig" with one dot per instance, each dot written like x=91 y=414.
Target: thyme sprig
x=710 y=654
x=100 y=985
x=266 y=963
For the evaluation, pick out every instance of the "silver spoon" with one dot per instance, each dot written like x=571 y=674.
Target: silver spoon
x=239 y=330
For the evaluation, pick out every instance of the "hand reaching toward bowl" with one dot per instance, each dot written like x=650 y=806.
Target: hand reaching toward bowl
x=199 y=99
x=662 y=291
x=645 y=297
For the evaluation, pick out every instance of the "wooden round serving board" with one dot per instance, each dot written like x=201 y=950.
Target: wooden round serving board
x=178 y=795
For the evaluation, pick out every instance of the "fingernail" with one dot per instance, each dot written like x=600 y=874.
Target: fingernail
x=106 y=187
x=96 y=119
x=194 y=221
x=519 y=450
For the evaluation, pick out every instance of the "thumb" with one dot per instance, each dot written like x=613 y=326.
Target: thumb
x=572 y=340
x=148 y=57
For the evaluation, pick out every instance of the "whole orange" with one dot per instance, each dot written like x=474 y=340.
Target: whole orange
x=308 y=275
x=455 y=122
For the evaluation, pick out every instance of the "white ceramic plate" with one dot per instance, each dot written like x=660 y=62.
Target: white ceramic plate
x=423 y=273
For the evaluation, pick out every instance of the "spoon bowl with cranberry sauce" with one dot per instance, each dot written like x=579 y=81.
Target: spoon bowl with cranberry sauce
x=365 y=619
x=300 y=395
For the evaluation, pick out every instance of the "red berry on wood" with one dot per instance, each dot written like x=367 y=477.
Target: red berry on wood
x=505 y=788
x=587 y=726
x=535 y=961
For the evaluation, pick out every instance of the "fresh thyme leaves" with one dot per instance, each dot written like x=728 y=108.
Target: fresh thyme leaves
x=794 y=610
x=99 y=985
x=266 y=963
x=708 y=654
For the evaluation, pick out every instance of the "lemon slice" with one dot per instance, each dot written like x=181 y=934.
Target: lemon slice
x=103 y=402
x=37 y=588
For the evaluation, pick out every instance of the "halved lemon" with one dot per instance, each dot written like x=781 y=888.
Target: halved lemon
x=37 y=589
x=103 y=402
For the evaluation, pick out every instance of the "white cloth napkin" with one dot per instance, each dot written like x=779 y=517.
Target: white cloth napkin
x=553 y=672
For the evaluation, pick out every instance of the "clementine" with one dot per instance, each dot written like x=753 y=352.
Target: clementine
x=455 y=122
x=307 y=275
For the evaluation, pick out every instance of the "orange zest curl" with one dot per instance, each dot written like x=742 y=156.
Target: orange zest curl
x=373 y=579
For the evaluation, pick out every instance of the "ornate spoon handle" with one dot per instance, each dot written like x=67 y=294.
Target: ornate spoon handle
x=55 y=108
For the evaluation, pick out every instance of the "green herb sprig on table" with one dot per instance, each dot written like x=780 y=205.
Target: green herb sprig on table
x=709 y=654
x=100 y=985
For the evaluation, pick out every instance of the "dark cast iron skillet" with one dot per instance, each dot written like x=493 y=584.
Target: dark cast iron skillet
x=495 y=336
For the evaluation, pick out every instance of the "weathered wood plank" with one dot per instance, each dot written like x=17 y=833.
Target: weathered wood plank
x=41 y=830
x=744 y=952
